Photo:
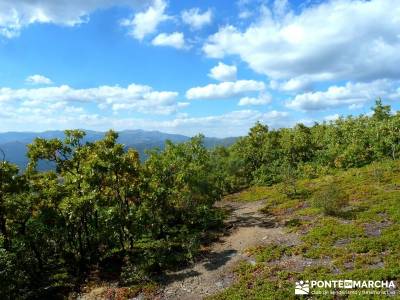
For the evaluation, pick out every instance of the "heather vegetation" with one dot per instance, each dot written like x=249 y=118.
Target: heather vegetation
x=359 y=241
x=103 y=210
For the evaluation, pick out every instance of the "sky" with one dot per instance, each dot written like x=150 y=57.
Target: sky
x=188 y=67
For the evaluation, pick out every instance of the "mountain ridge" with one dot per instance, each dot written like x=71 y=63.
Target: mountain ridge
x=14 y=143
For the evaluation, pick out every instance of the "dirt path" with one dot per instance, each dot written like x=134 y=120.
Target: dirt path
x=248 y=227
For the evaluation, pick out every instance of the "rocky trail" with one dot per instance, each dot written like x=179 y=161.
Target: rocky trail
x=247 y=227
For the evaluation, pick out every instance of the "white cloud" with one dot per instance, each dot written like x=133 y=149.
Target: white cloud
x=233 y=123
x=230 y=124
x=280 y=7
x=356 y=106
x=175 y=40
x=260 y=100
x=245 y=12
x=38 y=79
x=353 y=94
x=138 y=98
x=296 y=84
x=196 y=19
x=146 y=22
x=223 y=72
x=332 y=117
x=30 y=116
x=225 y=89
x=334 y=40
x=14 y=15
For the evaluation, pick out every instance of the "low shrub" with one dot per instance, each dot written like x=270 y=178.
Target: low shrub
x=330 y=199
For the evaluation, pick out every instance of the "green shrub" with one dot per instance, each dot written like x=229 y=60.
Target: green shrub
x=330 y=199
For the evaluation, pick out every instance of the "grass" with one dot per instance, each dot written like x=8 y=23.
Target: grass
x=361 y=241
x=254 y=193
x=269 y=253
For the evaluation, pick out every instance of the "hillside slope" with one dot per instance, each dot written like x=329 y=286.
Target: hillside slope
x=272 y=240
x=360 y=240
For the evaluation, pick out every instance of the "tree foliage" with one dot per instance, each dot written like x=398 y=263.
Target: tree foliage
x=266 y=155
x=100 y=203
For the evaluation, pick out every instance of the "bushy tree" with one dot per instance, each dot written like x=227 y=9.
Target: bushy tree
x=99 y=203
x=266 y=155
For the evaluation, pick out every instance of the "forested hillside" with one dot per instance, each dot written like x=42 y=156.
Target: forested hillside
x=102 y=209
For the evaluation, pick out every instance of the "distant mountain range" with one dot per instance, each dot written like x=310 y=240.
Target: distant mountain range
x=14 y=143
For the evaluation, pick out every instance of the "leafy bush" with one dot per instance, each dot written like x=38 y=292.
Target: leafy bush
x=102 y=203
x=314 y=151
x=330 y=199
x=289 y=180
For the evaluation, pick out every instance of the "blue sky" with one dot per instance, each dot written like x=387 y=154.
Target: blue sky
x=214 y=67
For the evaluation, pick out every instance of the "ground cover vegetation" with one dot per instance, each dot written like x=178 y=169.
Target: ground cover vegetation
x=359 y=239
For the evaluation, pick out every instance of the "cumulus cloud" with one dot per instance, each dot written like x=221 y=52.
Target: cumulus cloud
x=356 y=106
x=223 y=72
x=38 y=79
x=225 y=89
x=146 y=22
x=233 y=123
x=280 y=7
x=14 y=15
x=332 y=117
x=245 y=14
x=351 y=94
x=245 y=11
x=175 y=40
x=196 y=19
x=296 y=84
x=138 y=98
x=334 y=40
x=30 y=116
x=262 y=99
